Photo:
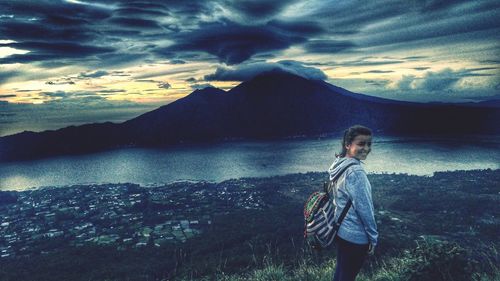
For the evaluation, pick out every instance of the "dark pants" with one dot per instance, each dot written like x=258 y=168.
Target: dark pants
x=350 y=258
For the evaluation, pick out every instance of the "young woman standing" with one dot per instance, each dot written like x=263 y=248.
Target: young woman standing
x=357 y=235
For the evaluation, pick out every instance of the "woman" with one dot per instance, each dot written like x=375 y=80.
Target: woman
x=357 y=235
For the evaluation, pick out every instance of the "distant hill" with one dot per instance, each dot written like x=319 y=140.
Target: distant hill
x=271 y=105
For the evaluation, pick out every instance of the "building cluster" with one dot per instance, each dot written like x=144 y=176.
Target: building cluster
x=118 y=215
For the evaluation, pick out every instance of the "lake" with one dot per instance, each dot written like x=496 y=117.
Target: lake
x=222 y=161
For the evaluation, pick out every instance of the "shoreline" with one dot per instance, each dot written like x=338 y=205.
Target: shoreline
x=191 y=181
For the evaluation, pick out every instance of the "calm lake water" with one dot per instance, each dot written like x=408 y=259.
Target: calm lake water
x=222 y=161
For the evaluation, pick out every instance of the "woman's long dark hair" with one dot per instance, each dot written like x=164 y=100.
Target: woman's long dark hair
x=349 y=136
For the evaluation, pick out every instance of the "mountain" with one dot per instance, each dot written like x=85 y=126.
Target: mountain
x=271 y=105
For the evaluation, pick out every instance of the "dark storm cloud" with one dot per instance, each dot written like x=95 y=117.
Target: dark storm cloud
x=328 y=46
x=368 y=62
x=95 y=74
x=468 y=72
x=59 y=8
x=421 y=68
x=490 y=61
x=164 y=85
x=439 y=81
x=119 y=34
x=110 y=91
x=140 y=5
x=60 y=82
x=5 y=76
x=80 y=98
x=58 y=94
x=138 y=12
x=39 y=30
x=117 y=59
x=435 y=5
x=201 y=86
x=446 y=24
x=20 y=31
x=53 y=63
x=177 y=62
x=186 y=69
x=7 y=96
x=119 y=73
x=389 y=24
x=306 y=28
x=234 y=43
x=135 y=22
x=351 y=16
x=415 y=58
x=248 y=71
x=27 y=91
x=53 y=31
x=406 y=82
x=378 y=71
x=98 y=34
x=482 y=68
x=378 y=83
x=54 y=50
x=63 y=20
x=258 y=8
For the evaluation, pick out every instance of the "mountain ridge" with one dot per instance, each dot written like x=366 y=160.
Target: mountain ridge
x=271 y=105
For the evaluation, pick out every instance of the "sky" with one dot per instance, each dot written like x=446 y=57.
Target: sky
x=82 y=61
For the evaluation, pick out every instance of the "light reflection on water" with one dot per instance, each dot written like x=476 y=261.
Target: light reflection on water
x=217 y=162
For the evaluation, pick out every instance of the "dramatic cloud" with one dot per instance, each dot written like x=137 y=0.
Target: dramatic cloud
x=421 y=68
x=201 y=86
x=135 y=23
x=440 y=81
x=5 y=76
x=378 y=83
x=49 y=51
x=146 y=81
x=177 y=62
x=27 y=91
x=96 y=74
x=233 y=43
x=258 y=8
x=151 y=11
x=164 y=85
x=7 y=96
x=328 y=46
x=369 y=62
x=406 y=82
x=379 y=71
x=394 y=48
x=64 y=81
x=58 y=113
x=110 y=91
x=248 y=71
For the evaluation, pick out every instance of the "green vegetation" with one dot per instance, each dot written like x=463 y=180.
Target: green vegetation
x=428 y=261
x=443 y=227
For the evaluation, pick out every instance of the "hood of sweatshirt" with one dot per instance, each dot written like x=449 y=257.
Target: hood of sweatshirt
x=339 y=165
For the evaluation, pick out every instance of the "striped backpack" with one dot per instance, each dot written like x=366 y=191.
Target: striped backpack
x=319 y=215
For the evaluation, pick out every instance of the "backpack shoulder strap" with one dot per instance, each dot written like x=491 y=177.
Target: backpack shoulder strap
x=328 y=187
x=344 y=211
x=349 y=202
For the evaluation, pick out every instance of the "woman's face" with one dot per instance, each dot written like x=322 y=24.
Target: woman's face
x=360 y=147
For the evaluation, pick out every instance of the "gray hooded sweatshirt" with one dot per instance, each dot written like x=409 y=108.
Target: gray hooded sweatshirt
x=359 y=224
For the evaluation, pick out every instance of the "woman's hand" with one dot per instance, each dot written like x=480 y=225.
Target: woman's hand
x=371 y=249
